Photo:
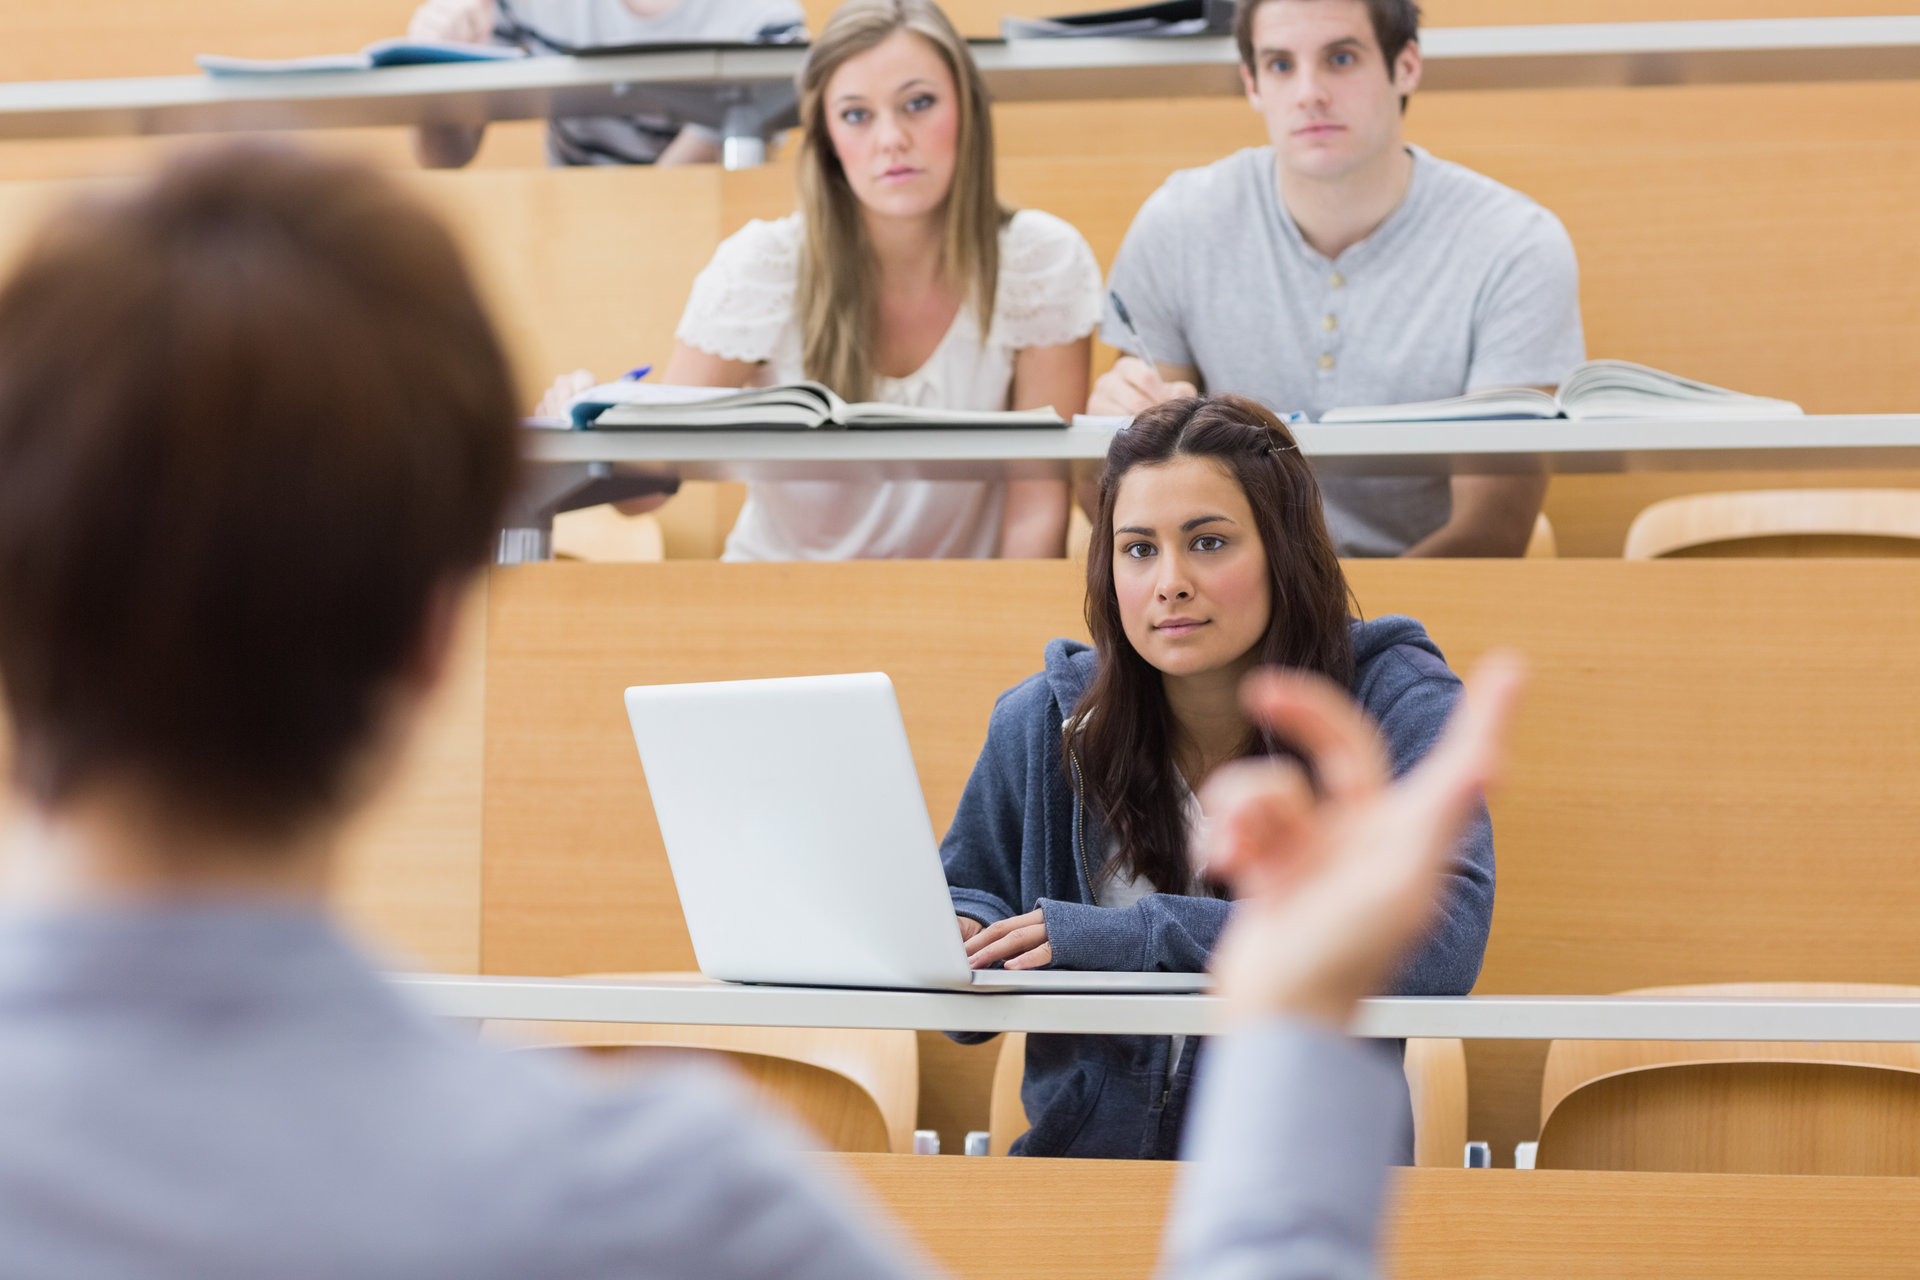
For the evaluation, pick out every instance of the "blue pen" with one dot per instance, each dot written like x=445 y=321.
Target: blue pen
x=634 y=375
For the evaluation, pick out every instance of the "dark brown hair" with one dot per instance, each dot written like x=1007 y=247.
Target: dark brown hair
x=1121 y=734
x=1396 y=24
x=252 y=415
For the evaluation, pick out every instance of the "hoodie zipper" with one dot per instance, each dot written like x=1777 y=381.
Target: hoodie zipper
x=1080 y=824
x=1080 y=847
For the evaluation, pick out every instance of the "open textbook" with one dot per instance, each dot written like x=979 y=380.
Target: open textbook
x=396 y=52
x=1169 y=18
x=1597 y=389
x=787 y=406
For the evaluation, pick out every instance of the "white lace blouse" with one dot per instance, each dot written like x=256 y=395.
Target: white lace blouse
x=742 y=308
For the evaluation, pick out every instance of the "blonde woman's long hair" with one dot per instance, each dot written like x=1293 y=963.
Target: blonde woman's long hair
x=838 y=310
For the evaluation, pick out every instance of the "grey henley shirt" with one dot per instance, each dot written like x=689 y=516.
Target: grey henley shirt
x=1467 y=284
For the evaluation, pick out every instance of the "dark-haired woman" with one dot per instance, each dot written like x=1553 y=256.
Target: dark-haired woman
x=1209 y=557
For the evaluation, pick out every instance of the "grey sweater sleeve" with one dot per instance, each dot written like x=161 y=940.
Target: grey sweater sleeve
x=1161 y=932
x=1288 y=1144
x=1446 y=962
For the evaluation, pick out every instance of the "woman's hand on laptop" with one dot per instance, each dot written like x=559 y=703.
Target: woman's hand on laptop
x=968 y=927
x=1333 y=888
x=1019 y=941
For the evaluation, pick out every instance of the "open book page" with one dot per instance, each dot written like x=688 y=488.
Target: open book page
x=789 y=406
x=1475 y=406
x=1166 y=18
x=1620 y=389
x=876 y=414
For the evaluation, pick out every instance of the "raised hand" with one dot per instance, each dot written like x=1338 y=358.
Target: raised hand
x=1333 y=888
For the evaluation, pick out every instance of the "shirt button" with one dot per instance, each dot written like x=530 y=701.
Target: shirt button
x=1329 y=323
x=1326 y=361
x=1336 y=281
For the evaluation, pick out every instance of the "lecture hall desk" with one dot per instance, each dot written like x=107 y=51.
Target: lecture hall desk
x=1010 y=1219
x=1710 y=781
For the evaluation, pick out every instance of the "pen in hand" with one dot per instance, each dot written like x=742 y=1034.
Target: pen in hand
x=1139 y=343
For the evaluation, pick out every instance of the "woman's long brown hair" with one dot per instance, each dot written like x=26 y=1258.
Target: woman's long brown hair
x=838 y=312
x=1121 y=733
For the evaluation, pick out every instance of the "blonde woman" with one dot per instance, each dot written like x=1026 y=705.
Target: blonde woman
x=902 y=278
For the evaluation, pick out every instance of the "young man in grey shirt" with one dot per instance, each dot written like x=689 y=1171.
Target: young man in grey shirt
x=256 y=435
x=1341 y=266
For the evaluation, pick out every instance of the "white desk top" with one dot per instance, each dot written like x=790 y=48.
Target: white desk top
x=1543 y=56
x=1492 y=447
x=692 y=999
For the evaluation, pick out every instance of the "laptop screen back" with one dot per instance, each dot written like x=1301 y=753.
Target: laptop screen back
x=797 y=833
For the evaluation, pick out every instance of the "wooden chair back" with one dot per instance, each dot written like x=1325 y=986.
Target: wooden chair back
x=1735 y=1106
x=1436 y=1082
x=1541 y=544
x=1804 y=523
x=857 y=1089
x=1006 y=1114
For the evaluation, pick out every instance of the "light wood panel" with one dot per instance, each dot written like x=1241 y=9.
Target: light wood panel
x=81 y=38
x=1102 y=1220
x=583 y=267
x=580 y=267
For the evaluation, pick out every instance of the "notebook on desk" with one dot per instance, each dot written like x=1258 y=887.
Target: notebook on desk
x=794 y=406
x=399 y=51
x=800 y=843
x=1167 y=18
x=1599 y=390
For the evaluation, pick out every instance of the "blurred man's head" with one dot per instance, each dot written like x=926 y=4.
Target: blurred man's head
x=255 y=431
x=1331 y=78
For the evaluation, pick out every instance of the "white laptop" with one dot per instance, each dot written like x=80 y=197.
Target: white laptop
x=800 y=842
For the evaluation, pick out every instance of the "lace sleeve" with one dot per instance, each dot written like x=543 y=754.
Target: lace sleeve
x=1049 y=289
x=743 y=297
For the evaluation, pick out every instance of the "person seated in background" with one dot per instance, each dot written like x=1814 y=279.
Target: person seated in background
x=903 y=279
x=1070 y=846
x=1340 y=266
x=256 y=434
x=561 y=26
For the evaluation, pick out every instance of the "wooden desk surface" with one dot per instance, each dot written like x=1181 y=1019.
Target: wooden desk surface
x=988 y=1218
x=694 y=81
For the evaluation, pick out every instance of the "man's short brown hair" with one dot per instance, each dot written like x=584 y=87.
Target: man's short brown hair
x=252 y=416
x=1396 y=24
